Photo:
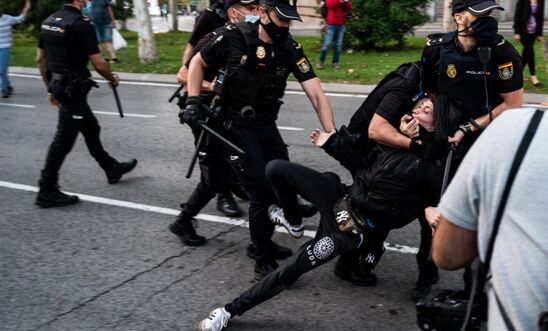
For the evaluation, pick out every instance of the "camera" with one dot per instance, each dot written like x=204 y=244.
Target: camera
x=446 y=310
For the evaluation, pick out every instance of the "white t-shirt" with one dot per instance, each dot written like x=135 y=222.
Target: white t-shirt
x=519 y=264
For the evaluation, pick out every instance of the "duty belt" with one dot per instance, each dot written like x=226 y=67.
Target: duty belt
x=251 y=114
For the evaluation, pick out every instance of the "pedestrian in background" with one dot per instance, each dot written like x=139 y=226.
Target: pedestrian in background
x=6 y=22
x=528 y=21
x=336 y=10
x=104 y=21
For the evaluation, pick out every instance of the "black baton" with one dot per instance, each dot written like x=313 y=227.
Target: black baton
x=222 y=139
x=175 y=93
x=196 y=153
x=117 y=98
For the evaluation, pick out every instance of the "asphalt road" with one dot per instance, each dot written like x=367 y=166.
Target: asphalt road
x=109 y=262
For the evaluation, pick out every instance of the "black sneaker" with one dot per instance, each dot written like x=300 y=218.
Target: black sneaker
x=279 y=252
x=115 y=174
x=54 y=198
x=351 y=272
x=424 y=286
x=261 y=270
x=227 y=205
x=185 y=231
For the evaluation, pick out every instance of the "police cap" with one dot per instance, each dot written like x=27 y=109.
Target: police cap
x=475 y=7
x=230 y=3
x=286 y=9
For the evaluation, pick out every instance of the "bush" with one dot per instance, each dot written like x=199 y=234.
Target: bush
x=123 y=9
x=40 y=10
x=381 y=23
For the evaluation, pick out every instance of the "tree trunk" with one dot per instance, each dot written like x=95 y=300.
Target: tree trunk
x=174 y=15
x=147 y=46
x=448 y=22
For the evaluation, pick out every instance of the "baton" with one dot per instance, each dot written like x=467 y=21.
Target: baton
x=175 y=93
x=117 y=98
x=196 y=153
x=446 y=170
x=222 y=139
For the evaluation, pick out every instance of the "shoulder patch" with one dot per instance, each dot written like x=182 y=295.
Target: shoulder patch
x=434 y=39
x=502 y=42
x=209 y=9
x=85 y=18
x=297 y=45
x=230 y=27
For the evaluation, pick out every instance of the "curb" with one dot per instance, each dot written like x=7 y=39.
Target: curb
x=343 y=88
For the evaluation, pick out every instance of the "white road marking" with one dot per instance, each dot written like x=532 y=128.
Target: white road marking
x=332 y=94
x=125 y=114
x=174 y=212
x=289 y=128
x=17 y=105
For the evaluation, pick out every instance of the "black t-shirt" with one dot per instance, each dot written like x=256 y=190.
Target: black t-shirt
x=207 y=21
x=394 y=99
x=209 y=73
x=230 y=46
x=508 y=69
x=81 y=43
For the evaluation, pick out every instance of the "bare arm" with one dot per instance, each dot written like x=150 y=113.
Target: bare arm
x=182 y=78
x=453 y=247
x=111 y=15
x=196 y=75
x=320 y=102
x=186 y=55
x=102 y=67
x=381 y=131
x=510 y=100
x=26 y=8
x=42 y=65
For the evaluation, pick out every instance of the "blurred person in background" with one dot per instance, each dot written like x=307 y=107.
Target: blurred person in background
x=528 y=22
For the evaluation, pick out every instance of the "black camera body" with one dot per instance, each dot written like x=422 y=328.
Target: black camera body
x=446 y=311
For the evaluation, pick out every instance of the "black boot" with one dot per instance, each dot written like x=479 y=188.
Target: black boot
x=52 y=197
x=348 y=268
x=227 y=205
x=115 y=173
x=185 y=231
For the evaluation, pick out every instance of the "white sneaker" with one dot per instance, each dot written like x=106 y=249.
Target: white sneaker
x=276 y=215
x=217 y=320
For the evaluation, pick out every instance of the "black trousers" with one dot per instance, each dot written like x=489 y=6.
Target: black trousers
x=216 y=176
x=528 y=55
x=74 y=117
x=322 y=190
x=261 y=143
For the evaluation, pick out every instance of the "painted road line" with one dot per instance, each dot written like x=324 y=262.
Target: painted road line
x=174 y=212
x=16 y=105
x=332 y=94
x=289 y=128
x=125 y=114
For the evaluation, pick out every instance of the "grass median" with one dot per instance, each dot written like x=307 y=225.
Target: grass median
x=357 y=67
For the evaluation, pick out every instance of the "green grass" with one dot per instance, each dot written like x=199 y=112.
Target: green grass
x=357 y=67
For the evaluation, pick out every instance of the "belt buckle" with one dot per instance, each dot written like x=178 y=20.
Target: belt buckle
x=248 y=112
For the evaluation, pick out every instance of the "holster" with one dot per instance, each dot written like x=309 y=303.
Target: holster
x=66 y=87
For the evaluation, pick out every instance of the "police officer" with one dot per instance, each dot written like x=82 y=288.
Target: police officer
x=256 y=60
x=477 y=69
x=67 y=42
x=216 y=174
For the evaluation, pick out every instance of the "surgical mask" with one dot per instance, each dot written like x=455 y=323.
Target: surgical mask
x=276 y=33
x=252 y=18
x=485 y=29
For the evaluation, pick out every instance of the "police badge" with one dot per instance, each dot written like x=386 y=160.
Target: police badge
x=303 y=65
x=506 y=71
x=451 y=71
x=261 y=52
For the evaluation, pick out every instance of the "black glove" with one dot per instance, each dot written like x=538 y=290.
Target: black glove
x=193 y=113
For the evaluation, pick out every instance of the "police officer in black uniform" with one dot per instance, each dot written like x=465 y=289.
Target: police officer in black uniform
x=67 y=43
x=216 y=174
x=477 y=70
x=255 y=60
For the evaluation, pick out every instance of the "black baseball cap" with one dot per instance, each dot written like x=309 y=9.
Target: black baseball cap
x=475 y=7
x=229 y=3
x=286 y=9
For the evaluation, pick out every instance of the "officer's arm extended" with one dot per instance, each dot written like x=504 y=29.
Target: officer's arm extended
x=320 y=102
x=196 y=75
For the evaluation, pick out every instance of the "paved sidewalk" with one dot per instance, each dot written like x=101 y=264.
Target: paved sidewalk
x=356 y=89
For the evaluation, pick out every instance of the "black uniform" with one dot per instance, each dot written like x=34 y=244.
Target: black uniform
x=367 y=195
x=68 y=38
x=209 y=20
x=256 y=75
x=216 y=175
x=459 y=75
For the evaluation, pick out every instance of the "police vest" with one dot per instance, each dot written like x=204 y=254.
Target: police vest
x=55 y=34
x=260 y=77
x=461 y=77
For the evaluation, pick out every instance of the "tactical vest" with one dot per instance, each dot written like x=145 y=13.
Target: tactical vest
x=55 y=34
x=461 y=77
x=259 y=79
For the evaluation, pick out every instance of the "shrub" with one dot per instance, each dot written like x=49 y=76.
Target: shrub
x=381 y=23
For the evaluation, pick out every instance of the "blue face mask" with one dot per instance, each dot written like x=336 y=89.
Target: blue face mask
x=251 y=18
